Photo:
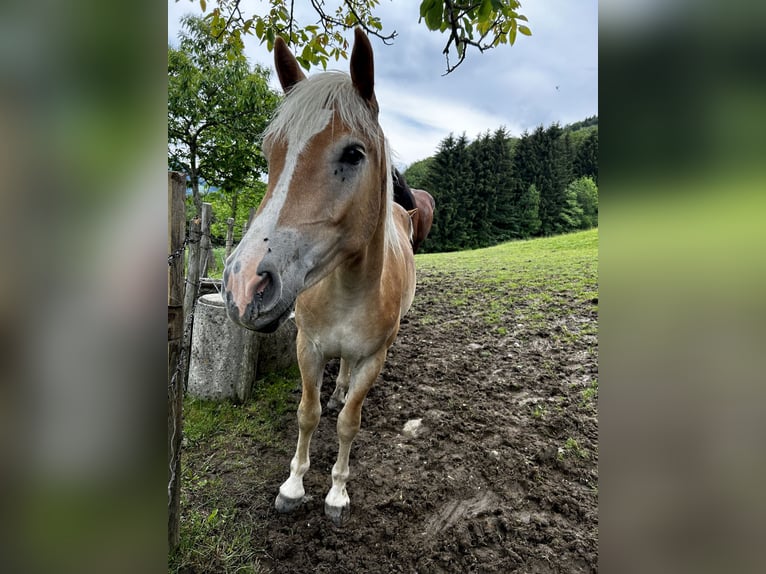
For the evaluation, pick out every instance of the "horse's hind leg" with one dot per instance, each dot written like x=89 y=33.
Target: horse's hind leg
x=338 y=398
x=337 y=504
x=311 y=363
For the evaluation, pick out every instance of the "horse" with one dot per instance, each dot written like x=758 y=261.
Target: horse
x=425 y=205
x=419 y=203
x=328 y=239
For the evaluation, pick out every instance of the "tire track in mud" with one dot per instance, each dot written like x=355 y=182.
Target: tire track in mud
x=456 y=510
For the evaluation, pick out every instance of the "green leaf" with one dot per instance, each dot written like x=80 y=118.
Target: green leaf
x=524 y=30
x=485 y=10
x=512 y=35
x=203 y=5
x=468 y=27
x=434 y=16
x=425 y=7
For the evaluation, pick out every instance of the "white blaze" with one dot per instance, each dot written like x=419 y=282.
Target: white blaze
x=296 y=142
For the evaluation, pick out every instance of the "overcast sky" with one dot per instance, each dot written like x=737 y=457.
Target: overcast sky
x=551 y=76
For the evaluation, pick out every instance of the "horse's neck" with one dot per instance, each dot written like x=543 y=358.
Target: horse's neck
x=365 y=268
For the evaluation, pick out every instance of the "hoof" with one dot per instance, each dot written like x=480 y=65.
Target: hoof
x=338 y=514
x=285 y=505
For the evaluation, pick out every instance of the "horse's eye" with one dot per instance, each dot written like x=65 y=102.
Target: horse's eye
x=352 y=155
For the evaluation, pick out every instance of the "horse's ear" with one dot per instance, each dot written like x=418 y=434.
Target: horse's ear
x=288 y=69
x=362 y=66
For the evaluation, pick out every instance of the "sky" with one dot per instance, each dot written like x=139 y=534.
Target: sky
x=551 y=76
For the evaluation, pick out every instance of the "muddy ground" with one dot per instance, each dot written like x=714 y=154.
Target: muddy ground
x=502 y=475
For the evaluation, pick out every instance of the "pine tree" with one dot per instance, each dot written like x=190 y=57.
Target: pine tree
x=501 y=216
x=482 y=193
x=555 y=163
x=447 y=182
x=529 y=212
x=586 y=158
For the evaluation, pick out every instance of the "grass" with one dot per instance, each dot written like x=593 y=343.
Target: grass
x=215 y=271
x=590 y=394
x=559 y=259
x=272 y=397
x=523 y=280
x=572 y=448
x=216 y=533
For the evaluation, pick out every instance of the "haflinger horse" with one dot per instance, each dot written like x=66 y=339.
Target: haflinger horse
x=328 y=238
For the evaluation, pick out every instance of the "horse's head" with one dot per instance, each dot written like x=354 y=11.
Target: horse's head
x=327 y=186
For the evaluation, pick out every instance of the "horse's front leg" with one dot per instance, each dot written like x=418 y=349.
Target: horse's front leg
x=337 y=504
x=311 y=363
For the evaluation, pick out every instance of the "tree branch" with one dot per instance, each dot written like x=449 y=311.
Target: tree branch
x=387 y=40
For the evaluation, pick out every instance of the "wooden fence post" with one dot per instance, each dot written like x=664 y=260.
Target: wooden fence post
x=192 y=291
x=250 y=217
x=176 y=217
x=229 y=236
x=206 y=257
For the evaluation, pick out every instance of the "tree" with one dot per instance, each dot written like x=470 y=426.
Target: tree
x=448 y=182
x=217 y=109
x=586 y=194
x=528 y=212
x=586 y=159
x=237 y=206
x=417 y=173
x=544 y=158
x=491 y=188
x=480 y=25
x=571 y=215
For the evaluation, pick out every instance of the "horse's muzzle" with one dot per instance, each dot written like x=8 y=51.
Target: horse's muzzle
x=257 y=303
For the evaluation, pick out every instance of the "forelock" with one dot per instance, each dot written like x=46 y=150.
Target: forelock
x=310 y=97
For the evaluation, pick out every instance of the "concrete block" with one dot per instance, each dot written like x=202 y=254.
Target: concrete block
x=226 y=359
x=223 y=354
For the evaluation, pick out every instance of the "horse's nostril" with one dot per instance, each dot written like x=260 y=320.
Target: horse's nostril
x=263 y=284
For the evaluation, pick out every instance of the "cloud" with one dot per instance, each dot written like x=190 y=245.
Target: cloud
x=415 y=123
x=549 y=77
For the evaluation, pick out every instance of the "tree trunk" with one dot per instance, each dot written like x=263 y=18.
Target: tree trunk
x=234 y=205
x=194 y=175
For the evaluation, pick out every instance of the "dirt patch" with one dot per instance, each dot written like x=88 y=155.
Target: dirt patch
x=500 y=474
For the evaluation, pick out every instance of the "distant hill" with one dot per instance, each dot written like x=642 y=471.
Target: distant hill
x=586 y=123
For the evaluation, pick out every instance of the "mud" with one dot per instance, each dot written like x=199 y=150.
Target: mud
x=501 y=474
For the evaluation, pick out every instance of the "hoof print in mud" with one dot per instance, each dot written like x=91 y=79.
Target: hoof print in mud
x=338 y=514
x=285 y=505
